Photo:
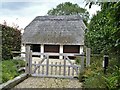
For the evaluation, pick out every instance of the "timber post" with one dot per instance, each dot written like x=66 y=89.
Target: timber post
x=30 y=62
x=47 y=65
x=27 y=57
x=82 y=63
x=88 y=57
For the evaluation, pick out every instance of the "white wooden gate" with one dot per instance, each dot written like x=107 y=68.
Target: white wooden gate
x=46 y=68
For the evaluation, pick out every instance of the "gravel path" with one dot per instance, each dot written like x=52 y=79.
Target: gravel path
x=37 y=82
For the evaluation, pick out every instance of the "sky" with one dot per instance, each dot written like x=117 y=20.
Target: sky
x=21 y=13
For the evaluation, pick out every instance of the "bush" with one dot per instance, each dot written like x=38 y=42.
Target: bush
x=95 y=78
x=11 y=41
x=9 y=69
x=19 y=63
x=93 y=74
x=94 y=81
x=113 y=80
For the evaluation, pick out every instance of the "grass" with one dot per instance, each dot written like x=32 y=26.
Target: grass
x=9 y=69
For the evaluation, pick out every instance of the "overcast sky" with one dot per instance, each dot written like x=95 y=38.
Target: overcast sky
x=24 y=11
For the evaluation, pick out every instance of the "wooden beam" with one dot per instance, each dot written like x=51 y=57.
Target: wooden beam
x=88 y=57
x=64 y=66
x=30 y=62
x=59 y=65
x=47 y=65
x=82 y=64
x=57 y=54
x=27 y=56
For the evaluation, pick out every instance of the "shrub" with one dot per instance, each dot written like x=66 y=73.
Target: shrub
x=19 y=63
x=95 y=78
x=94 y=81
x=93 y=74
x=9 y=69
x=112 y=79
x=11 y=40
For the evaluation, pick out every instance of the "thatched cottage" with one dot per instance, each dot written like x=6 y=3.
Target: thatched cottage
x=55 y=34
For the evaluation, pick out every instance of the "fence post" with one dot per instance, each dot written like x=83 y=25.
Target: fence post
x=88 y=57
x=105 y=63
x=30 y=63
x=27 y=58
x=82 y=63
x=64 y=65
x=47 y=65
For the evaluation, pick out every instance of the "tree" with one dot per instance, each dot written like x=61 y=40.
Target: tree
x=68 y=8
x=11 y=40
x=104 y=30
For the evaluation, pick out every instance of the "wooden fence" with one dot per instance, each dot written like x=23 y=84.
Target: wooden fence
x=57 y=69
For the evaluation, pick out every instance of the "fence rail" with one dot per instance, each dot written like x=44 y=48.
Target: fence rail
x=40 y=69
x=57 y=54
x=55 y=69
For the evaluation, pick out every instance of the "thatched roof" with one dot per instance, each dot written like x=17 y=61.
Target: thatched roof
x=63 y=30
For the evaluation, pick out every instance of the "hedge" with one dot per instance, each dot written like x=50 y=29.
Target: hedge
x=11 y=41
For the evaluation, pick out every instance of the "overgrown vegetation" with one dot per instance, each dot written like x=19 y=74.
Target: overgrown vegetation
x=9 y=69
x=94 y=76
x=11 y=41
x=103 y=37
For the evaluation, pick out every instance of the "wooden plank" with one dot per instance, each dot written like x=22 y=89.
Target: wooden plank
x=27 y=59
x=68 y=60
x=64 y=65
x=87 y=57
x=60 y=68
x=42 y=69
x=47 y=65
x=55 y=68
x=18 y=52
x=40 y=64
x=82 y=64
x=35 y=67
x=74 y=66
x=68 y=70
x=43 y=59
x=53 y=54
x=30 y=62
x=39 y=68
x=57 y=54
x=72 y=71
x=51 y=68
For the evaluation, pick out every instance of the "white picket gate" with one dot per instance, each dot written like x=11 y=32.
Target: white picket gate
x=45 y=68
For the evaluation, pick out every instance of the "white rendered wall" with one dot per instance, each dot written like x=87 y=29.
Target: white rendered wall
x=61 y=51
x=81 y=49
x=42 y=49
x=22 y=50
